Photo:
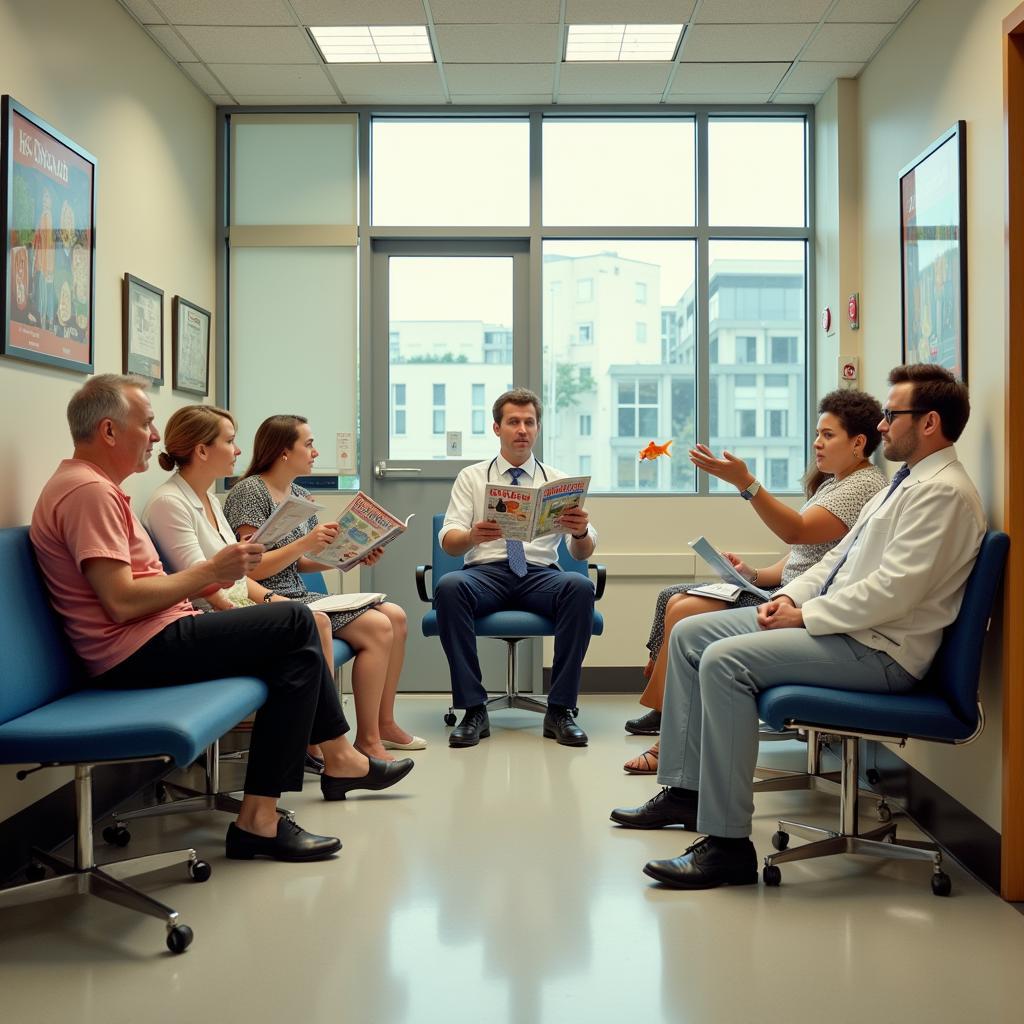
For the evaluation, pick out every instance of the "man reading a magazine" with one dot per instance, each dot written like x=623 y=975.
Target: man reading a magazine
x=501 y=575
x=868 y=617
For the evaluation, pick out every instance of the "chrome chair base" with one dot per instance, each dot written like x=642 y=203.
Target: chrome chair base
x=511 y=698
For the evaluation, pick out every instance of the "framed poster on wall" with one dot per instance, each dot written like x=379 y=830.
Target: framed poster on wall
x=933 y=254
x=48 y=217
x=142 y=328
x=191 y=341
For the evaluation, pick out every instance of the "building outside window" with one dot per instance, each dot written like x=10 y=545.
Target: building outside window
x=585 y=334
x=479 y=392
x=640 y=290
x=783 y=350
x=585 y=425
x=637 y=408
x=746 y=349
x=641 y=332
x=398 y=409
x=746 y=420
x=778 y=474
x=775 y=422
x=439 y=408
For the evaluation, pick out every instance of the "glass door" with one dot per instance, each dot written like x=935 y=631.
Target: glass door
x=449 y=326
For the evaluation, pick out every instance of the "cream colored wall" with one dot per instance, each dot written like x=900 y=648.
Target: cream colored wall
x=91 y=71
x=944 y=64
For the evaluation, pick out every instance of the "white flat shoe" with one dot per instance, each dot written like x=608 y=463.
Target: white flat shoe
x=416 y=743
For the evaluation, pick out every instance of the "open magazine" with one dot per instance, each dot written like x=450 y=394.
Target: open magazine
x=292 y=512
x=725 y=571
x=362 y=526
x=524 y=513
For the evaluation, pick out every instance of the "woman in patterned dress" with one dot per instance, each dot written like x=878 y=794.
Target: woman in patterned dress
x=283 y=449
x=838 y=483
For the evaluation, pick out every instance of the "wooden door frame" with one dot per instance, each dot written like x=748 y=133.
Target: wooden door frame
x=1012 y=867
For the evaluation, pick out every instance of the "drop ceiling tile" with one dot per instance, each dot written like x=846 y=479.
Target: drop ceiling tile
x=528 y=99
x=506 y=44
x=700 y=99
x=751 y=12
x=222 y=101
x=817 y=76
x=271 y=79
x=277 y=100
x=626 y=79
x=420 y=83
x=727 y=78
x=491 y=12
x=759 y=43
x=171 y=42
x=498 y=78
x=784 y=98
x=846 y=42
x=251 y=45
x=144 y=11
x=226 y=12
x=871 y=10
x=360 y=12
x=628 y=12
x=201 y=75
x=609 y=99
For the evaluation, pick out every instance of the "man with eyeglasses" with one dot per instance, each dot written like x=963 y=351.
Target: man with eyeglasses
x=869 y=616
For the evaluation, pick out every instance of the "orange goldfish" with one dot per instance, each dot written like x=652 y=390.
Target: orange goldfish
x=654 y=451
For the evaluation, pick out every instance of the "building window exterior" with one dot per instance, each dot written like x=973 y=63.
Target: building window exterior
x=585 y=334
x=641 y=332
x=746 y=422
x=438 y=416
x=398 y=409
x=746 y=349
x=775 y=423
x=637 y=404
x=783 y=349
x=778 y=474
x=640 y=290
x=585 y=425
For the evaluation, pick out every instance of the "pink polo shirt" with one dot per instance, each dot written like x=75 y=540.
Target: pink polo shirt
x=81 y=514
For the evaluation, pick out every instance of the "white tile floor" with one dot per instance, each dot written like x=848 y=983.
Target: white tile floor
x=491 y=887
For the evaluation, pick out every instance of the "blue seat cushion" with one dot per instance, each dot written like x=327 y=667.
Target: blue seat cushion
x=107 y=725
x=342 y=653
x=510 y=624
x=921 y=715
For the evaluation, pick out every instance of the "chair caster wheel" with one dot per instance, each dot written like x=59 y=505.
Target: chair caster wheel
x=884 y=811
x=179 y=938
x=35 y=872
x=199 y=870
x=780 y=840
x=117 y=835
x=449 y=719
x=942 y=884
x=771 y=875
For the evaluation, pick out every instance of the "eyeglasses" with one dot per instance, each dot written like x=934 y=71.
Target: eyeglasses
x=891 y=414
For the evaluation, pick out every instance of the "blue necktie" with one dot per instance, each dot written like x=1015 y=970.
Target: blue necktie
x=901 y=474
x=516 y=554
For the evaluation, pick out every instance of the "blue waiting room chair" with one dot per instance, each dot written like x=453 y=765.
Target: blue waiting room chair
x=51 y=717
x=511 y=627
x=943 y=708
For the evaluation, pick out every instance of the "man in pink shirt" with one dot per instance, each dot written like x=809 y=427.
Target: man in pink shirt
x=133 y=627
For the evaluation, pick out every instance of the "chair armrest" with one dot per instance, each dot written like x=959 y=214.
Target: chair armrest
x=421 y=581
x=602 y=578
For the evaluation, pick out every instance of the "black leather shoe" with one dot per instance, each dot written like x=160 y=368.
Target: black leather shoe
x=707 y=864
x=560 y=725
x=474 y=727
x=663 y=809
x=645 y=725
x=290 y=843
x=381 y=775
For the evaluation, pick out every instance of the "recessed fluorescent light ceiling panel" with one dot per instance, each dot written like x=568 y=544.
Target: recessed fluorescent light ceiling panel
x=622 y=42
x=374 y=44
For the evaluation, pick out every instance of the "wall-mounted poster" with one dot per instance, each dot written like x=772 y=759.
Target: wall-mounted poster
x=48 y=218
x=142 y=328
x=191 y=341
x=933 y=254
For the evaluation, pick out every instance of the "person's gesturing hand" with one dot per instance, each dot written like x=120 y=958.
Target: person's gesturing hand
x=730 y=468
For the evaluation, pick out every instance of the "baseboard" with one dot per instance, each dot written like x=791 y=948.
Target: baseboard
x=50 y=821
x=973 y=842
x=607 y=679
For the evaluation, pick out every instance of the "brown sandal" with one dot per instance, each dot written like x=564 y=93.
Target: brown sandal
x=645 y=764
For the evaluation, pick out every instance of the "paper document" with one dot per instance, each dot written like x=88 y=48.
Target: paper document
x=524 y=513
x=290 y=513
x=362 y=526
x=724 y=568
x=346 y=602
x=719 y=591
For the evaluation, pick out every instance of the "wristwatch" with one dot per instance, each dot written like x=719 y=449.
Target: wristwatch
x=580 y=536
x=751 y=492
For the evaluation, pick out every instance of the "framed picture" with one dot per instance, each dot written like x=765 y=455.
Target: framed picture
x=933 y=254
x=142 y=328
x=191 y=342
x=48 y=258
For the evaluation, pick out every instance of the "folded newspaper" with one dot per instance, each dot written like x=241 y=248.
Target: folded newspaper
x=524 y=513
x=362 y=526
x=346 y=602
x=292 y=512
x=725 y=570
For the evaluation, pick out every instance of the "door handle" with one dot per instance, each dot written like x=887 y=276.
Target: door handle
x=382 y=469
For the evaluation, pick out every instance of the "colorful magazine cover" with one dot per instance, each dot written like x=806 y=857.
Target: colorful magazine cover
x=525 y=513
x=362 y=526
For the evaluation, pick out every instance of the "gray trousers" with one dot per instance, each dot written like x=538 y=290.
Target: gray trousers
x=717 y=665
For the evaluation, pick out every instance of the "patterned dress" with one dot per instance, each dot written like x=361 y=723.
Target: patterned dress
x=249 y=504
x=843 y=498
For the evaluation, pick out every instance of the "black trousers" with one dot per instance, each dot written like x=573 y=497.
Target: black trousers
x=277 y=643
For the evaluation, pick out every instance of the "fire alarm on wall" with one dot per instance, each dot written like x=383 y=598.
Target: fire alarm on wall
x=853 y=311
x=849 y=370
x=826 y=319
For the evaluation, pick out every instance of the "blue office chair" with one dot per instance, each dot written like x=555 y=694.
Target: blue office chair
x=943 y=709
x=512 y=627
x=316 y=583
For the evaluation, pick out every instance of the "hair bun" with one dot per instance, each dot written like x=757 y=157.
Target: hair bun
x=166 y=461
